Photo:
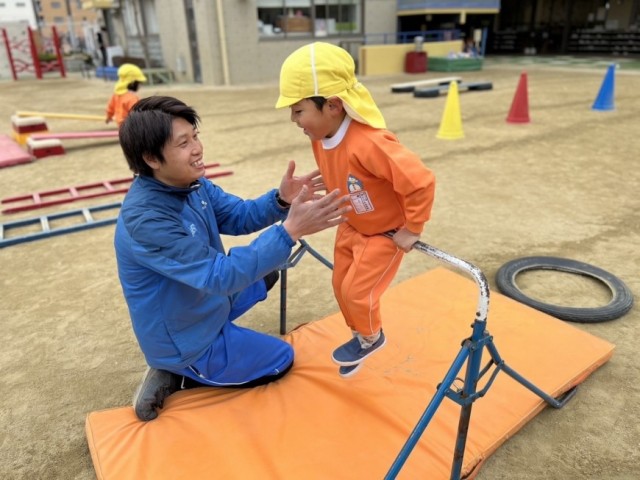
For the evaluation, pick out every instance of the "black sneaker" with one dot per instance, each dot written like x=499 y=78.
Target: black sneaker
x=156 y=385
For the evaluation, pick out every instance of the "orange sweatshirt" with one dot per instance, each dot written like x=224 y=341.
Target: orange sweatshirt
x=388 y=184
x=119 y=106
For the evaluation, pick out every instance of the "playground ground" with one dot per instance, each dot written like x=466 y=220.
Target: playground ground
x=565 y=184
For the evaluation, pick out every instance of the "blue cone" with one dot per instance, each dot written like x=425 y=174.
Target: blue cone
x=605 y=99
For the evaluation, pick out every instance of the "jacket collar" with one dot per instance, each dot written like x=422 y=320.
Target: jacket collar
x=156 y=185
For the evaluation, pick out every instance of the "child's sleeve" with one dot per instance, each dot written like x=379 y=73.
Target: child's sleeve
x=111 y=106
x=413 y=183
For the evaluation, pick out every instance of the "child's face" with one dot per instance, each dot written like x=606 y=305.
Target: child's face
x=318 y=124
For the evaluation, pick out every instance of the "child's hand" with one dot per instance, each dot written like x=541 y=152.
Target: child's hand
x=405 y=239
x=291 y=185
x=107 y=120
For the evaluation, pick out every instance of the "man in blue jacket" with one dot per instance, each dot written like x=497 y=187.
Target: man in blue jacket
x=182 y=288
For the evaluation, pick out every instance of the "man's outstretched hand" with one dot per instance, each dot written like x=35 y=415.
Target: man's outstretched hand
x=307 y=217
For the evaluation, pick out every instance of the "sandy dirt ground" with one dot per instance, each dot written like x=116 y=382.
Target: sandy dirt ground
x=565 y=184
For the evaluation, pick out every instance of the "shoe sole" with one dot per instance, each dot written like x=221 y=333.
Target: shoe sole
x=145 y=415
x=140 y=385
x=346 y=372
x=361 y=359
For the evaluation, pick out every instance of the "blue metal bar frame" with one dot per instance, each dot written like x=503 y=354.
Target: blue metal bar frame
x=44 y=221
x=292 y=261
x=471 y=350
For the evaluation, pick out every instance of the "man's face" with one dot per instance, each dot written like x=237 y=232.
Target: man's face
x=183 y=155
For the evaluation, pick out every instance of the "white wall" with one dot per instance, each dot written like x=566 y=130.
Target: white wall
x=10 y=13
x=175 y=47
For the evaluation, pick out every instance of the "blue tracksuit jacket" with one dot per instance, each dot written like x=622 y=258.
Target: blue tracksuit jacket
x=179 y=284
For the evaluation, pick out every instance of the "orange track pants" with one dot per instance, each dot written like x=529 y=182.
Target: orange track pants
x=363 y=269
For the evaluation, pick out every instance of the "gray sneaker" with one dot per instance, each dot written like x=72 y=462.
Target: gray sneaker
x=352 y=353
x=346 y=372
x=156 y=385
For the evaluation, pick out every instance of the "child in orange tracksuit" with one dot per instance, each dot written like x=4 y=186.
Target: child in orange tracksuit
x=124 y=93
x=389 y=187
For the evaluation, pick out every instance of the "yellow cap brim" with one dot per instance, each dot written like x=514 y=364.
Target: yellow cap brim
x=286 y=101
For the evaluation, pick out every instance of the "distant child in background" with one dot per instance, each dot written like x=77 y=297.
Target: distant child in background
x=390 y=188
x=469 y=48
x=124 y=93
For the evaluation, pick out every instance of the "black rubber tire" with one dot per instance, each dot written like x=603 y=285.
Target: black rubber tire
x=426 y=93
x=621 y=301
x=481 y=86
x=402 y=89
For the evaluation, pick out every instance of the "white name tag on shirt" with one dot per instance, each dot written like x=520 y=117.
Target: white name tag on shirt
x=361 y=202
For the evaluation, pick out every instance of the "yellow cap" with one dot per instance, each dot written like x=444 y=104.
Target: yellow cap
x=128 y=73
x=324 y=70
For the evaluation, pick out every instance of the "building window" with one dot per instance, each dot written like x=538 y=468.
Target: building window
x=56 y=5
x=308 y=18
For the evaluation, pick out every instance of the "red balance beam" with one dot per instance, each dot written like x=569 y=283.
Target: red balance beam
x=82 y=192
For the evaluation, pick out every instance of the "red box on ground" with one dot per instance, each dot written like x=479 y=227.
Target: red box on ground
x=415 y=62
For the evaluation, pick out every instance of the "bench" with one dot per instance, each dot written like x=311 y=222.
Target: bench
x=158 y=75
x=154 y=75
x=107 y=73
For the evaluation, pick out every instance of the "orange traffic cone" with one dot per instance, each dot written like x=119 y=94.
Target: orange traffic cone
x=451 y=124
x=519 y=112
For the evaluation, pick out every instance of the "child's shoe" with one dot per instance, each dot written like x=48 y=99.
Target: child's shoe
x=346 y=372
x=356 y=350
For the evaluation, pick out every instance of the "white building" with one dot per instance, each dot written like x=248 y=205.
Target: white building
x=234 y=41
x=18 y=11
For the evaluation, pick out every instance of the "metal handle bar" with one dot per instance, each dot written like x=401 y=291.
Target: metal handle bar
x=475 y=272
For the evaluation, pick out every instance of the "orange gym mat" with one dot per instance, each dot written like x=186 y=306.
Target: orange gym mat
x=313 y=424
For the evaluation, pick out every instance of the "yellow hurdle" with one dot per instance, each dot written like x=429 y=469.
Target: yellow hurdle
x=71 y=116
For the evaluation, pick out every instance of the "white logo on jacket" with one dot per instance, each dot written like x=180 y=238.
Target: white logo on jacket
x=193 y=230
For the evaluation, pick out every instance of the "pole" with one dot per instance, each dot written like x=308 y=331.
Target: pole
x=223 y=42
x=9 y=55
x=34 y=54
x=56 y=44
x=72 y=34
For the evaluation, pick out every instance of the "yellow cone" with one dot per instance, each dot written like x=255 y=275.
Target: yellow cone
x=451 y=124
